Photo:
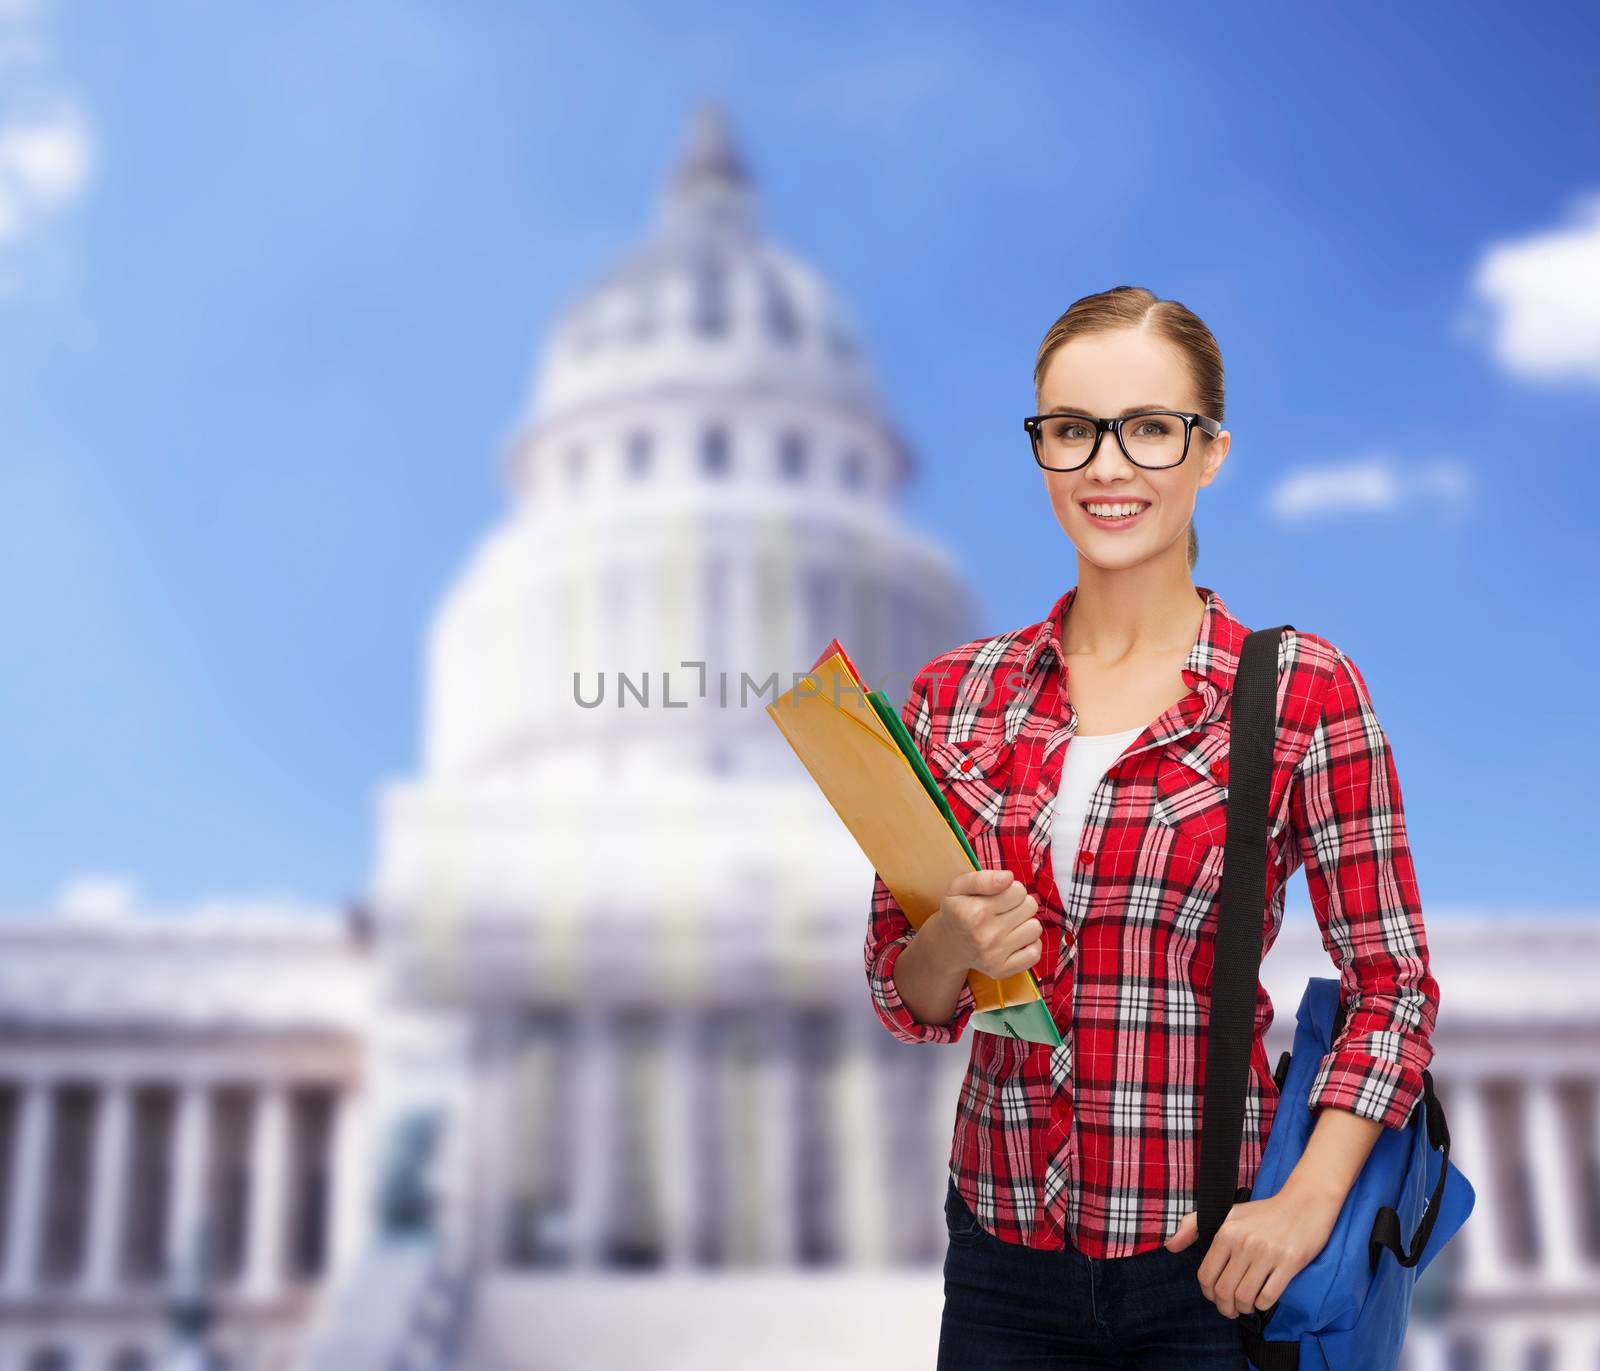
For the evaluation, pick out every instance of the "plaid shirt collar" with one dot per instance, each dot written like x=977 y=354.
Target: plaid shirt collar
x=1212 y=661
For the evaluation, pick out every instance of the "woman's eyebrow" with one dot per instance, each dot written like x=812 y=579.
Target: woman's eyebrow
x=1080 y=409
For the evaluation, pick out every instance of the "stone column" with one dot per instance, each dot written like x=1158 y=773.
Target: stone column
x=1504 y=1343
x=493 y=1194
x=351 y=1204
x=186 y=1218
x=679 y=1135
x=267 y=1202
x=29 y=1174
x=776 y=1134
x=108 y=1189
x=1547 y=1139
x=863 y=1182
x=453 y=1165
x=472 y=1213
x=1485 y=1267
x=592 y=1135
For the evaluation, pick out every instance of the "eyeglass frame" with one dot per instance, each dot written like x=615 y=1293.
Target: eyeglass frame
x=1208 y=426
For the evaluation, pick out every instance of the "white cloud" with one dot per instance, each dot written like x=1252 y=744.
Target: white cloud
x=1375 y=484
x=93 y=897
x=44 y=165
x=1536 y=299
x=46 y=143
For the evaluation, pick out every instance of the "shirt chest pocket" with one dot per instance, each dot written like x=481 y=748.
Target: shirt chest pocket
x=1192 y=788
x=975 y=775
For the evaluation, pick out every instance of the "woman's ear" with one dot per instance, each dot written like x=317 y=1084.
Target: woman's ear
x=1216 y=452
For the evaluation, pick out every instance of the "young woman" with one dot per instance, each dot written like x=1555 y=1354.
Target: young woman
x=1086 y=757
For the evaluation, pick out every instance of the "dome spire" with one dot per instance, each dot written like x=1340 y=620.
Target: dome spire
x=710 y=184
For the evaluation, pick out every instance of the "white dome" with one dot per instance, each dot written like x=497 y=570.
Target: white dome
x=702 y=497
x=706 y=301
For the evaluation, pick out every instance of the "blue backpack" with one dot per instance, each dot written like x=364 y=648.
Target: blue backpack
x=1347 y=1308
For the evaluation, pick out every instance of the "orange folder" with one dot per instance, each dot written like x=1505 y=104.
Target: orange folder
x=861 y=757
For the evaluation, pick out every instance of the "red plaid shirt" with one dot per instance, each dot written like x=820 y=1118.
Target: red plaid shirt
x=1098 y=1139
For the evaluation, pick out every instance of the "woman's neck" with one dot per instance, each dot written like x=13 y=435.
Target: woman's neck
x=1121 y=617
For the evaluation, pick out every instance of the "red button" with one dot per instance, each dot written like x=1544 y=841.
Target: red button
x=1085 y=857
x=966 y=763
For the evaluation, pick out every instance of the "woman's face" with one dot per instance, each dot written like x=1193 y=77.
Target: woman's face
x=1105 y=375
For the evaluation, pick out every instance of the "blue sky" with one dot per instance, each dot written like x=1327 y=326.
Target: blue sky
x=273 y=280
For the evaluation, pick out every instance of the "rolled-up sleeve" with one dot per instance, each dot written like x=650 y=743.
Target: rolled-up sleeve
x=1350 y=832
x=889 y=931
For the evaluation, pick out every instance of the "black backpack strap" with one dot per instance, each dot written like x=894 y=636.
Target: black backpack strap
x=1269 y=1356
x=1236 y=960
x=1236 y=964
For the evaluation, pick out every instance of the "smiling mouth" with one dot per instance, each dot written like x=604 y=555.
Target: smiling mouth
x=1115 y=521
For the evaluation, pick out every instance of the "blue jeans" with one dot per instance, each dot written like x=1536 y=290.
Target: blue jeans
x=1007 y=1306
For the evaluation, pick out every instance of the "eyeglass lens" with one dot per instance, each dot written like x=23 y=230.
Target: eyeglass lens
x=1151 y=439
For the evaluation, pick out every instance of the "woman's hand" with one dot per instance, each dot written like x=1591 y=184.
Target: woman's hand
x=1260 y=1247
x=990 y=922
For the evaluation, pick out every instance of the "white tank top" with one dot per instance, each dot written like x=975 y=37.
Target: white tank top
x=1088 y=758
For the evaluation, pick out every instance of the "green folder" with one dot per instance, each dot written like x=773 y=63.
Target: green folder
x=1031 y=1021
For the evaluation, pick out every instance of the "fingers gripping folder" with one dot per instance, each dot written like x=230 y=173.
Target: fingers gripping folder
x=866 y=764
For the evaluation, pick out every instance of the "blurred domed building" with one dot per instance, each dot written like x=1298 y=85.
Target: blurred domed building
x=612 y=885
x=590 y=1076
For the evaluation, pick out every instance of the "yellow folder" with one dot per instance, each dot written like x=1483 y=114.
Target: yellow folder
x=859 y=753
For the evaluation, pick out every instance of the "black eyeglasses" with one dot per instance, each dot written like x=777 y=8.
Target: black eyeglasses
x=1157 y=437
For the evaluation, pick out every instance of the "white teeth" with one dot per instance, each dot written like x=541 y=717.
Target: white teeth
x=1112 y=511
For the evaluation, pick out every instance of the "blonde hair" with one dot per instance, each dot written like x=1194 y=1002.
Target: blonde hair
x=1136 y=307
